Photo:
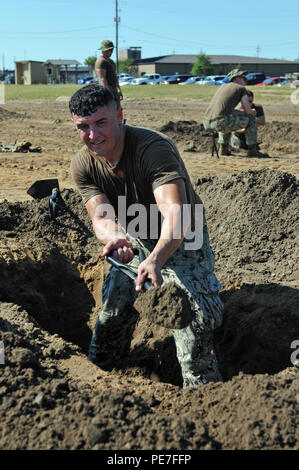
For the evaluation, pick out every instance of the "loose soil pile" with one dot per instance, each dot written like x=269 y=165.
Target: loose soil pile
x=52 y=397
x=5 y=114
x=253 y=223
x=274 y=136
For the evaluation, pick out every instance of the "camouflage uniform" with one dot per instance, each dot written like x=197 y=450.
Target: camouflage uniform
x=193 y=271
x=224 y=125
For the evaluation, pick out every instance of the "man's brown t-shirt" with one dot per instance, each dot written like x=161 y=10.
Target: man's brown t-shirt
x=225 y=100
x=109 y=66
x=149 y=159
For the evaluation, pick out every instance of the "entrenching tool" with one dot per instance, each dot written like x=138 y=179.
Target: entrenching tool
x=130 y=272
x=168 y=305
x=44 y=188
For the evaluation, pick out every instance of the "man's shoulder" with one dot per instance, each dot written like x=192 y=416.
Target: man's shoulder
x=231 y=89
x=235 y=86
x=81 y=156
x=144 y=139
x=147 y=133
x=100 y=61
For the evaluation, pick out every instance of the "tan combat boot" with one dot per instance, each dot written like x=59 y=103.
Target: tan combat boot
x=253 y=152
x=223 y=150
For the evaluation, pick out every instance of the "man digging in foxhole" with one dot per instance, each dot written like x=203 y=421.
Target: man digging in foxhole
x=222 y=116
x=120 y=163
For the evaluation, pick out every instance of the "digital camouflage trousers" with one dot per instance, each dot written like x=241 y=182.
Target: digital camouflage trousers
x=192 y=270
x=224 y=125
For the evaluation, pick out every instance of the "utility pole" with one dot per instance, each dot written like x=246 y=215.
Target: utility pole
x=117 y=20
x=258 y=50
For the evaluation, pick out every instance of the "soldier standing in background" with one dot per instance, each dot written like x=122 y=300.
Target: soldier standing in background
x=105 y=69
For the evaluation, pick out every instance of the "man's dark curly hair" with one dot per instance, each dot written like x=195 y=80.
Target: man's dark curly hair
x=87 y=99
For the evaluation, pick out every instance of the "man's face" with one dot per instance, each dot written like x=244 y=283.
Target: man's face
x=242 y=80
x=101 y=131
x=107 y=53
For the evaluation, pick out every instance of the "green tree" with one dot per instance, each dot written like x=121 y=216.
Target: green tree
x=124 y=66
x=90 y=61
x=203 y=65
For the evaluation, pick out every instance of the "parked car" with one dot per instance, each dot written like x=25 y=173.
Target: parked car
x=191 y=80
x=223 y=80
x=86 y=80
x=271 y=81
x=125 y=81
x=176 y=79
x=211 y=80
x=255 y=77
x=123 y=75
x=9 y=79
x=284 y=81
x=159 y=80
x=145 y=79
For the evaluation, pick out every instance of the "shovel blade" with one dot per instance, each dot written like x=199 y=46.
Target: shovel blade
x=42 y=188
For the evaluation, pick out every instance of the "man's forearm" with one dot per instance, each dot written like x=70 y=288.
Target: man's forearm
x=163 y=250
x=107 y=230
x=260 y=121
x=171 y=237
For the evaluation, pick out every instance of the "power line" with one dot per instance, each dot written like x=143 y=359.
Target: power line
x=205 y=44
x=56 y=32
x=117 y=20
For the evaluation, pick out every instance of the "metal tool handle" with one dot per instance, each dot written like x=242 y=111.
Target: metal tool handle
x=52 y=201
x=130 y=272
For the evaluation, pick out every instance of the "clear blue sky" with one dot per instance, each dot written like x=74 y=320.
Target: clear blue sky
x=73 y=29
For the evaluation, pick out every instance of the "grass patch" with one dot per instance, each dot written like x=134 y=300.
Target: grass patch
x=34 y=92
x=195 y=92
x=263 y=94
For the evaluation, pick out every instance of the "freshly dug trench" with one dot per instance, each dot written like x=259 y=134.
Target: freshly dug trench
x=54 y=270
x=260 y=324
x=52 y=291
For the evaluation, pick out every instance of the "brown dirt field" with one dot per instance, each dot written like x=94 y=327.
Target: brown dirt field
x=51 y=396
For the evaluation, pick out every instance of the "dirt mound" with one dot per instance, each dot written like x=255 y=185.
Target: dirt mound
x=274 y=136
x=5 y=114
x=52 y=397
x=280 y=136
x=42 y=408
x=189 y=133
x=253 y=222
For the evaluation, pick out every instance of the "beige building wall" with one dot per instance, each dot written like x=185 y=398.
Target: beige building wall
x=18 y=73
x=37 y=73
x=146 y=68
x=29 y=72
x=270 y=69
